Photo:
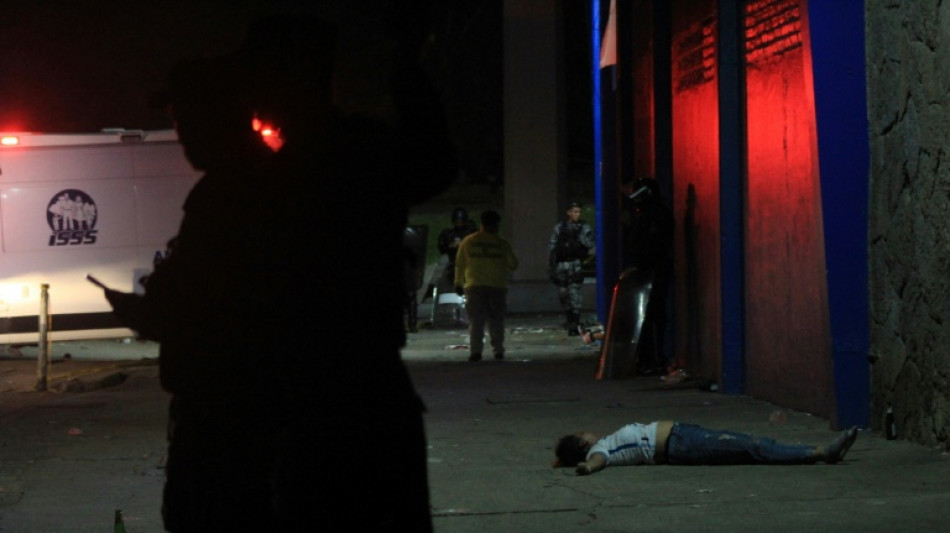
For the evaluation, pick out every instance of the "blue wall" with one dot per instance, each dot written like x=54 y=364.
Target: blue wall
x=838 y=60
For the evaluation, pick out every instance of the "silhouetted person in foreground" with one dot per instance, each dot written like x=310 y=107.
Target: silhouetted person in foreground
x=353 y=453
x=214 y=358
x=279 y=422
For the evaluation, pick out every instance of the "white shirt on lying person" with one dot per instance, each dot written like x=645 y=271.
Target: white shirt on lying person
x=633 y=444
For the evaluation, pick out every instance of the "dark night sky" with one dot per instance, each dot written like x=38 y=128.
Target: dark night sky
x=68 y=66
x=82 y=66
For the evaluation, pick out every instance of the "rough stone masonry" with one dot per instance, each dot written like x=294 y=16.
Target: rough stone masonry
x=908 y=84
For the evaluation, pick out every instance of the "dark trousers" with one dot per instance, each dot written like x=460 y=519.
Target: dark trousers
x=690 y=444
x=486 y=305
x=352 y=472
x=218 y=467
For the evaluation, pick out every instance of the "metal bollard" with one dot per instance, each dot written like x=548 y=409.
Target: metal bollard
x=43 y=360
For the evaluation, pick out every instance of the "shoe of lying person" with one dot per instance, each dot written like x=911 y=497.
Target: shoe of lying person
x=838 y=448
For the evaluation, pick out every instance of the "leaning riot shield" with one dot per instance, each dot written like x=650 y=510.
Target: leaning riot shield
x=628 y=309
x=414 y=256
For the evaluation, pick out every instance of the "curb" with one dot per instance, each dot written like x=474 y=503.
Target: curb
x=78 y=385
x=117 y=374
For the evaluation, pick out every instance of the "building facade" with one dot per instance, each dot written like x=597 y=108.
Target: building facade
x=801 y=146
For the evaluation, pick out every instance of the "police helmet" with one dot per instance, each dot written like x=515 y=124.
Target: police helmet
x=459 y=215
x=645 y=190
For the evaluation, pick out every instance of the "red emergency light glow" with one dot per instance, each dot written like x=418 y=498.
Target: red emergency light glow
x=270 y=134
x=9 y=140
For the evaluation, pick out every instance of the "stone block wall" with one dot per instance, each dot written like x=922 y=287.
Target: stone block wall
x=908 y=83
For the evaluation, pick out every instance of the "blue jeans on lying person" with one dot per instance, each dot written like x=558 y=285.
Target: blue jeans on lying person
x=690 y=444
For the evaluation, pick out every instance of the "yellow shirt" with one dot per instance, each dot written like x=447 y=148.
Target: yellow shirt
x=484 y=259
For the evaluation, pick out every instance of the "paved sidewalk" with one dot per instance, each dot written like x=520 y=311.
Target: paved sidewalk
x=492 y=428
x=75 y=366
x=70 y=459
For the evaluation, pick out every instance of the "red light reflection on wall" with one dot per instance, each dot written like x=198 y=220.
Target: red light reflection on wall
x=696 y=175
x=787 y=342
x=786 y=315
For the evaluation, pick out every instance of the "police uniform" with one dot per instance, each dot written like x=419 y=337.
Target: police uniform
x=570 y=243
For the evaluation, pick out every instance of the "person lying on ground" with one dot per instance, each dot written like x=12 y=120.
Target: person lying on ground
x=676 y=443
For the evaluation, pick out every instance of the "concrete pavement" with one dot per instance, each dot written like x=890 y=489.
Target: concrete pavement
x=491 y=430
x=492 y=427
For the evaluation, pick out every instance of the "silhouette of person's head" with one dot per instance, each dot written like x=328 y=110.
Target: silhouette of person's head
x=291 y=57
x=211 y=111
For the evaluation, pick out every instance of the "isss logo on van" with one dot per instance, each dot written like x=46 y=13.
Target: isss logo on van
x=71 y=215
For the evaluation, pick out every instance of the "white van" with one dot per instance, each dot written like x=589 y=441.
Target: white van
x=70 y=204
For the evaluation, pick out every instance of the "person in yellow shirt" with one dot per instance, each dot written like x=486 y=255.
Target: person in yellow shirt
x=483 y=262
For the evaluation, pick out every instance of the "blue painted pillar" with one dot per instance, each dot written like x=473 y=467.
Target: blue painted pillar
x=603 y=167
x=731 y=194
x=612 y=128
x=838 y=61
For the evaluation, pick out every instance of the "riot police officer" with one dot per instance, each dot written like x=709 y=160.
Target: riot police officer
x=450 y=238
x=448 y=243
x=648 y=246
x=571 y=243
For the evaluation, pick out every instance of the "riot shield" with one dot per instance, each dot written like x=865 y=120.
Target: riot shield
x=628 y=309
x=414 y=257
